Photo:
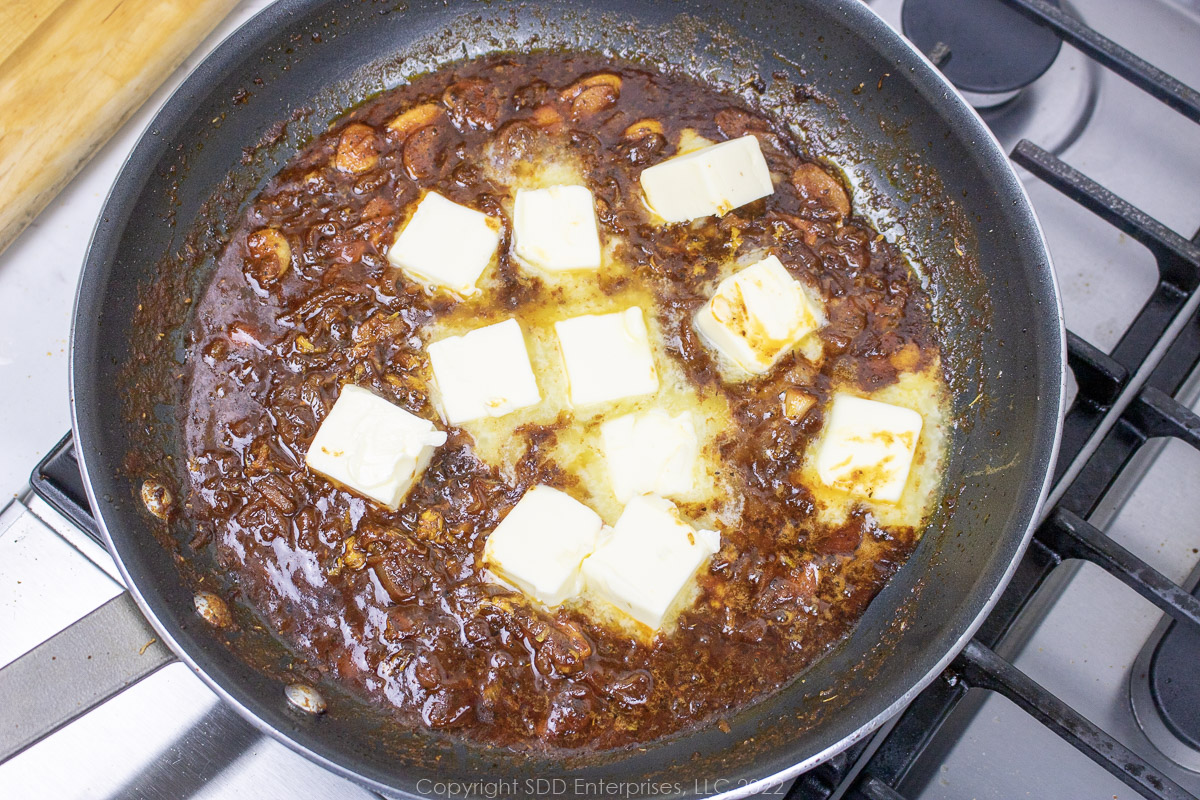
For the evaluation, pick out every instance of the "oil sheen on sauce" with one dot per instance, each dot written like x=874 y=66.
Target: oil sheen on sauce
x=394 y=605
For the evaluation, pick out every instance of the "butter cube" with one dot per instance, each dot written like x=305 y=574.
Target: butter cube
x=483 y=373
x=372 y=447
x=867 y=447
x=712 y=180
x=607 y=356
x=648 y=560
x=757 y=315
x=446 y=245
x=679 y=189
x=555 y=228
x=650 y=453
x=540 y=545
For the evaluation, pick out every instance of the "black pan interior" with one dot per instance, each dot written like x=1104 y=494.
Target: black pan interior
x=862 y=99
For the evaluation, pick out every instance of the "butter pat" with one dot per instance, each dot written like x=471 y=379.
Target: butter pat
x=648 y=560
x=607 y=356
x=483 y=373
x=712 y=180
x=539 y=546
x=446 y=245
x=867 y=447
x=650 y=453
x=757 y=315
x=555 y=228
x=372 y=446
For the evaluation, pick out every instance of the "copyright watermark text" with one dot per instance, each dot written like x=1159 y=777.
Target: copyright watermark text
x=573 y=787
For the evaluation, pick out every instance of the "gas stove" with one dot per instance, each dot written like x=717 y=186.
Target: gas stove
x=1083 y=681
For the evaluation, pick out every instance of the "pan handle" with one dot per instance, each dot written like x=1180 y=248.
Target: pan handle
x=74 y=671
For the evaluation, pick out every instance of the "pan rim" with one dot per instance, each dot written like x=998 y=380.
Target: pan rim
x=901 y=702
x=1047 y=481
x=857 y=15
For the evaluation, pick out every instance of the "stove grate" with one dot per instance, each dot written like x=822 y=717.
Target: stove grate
x=56 y=480
x=1103 y=50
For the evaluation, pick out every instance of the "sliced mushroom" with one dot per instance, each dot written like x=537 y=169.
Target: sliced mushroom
x=399 y=574
x=380 y=327
x=593 y=100
x=357 y=150
x=593 y=94
x=809 y=230
x=643 y=128
x=473 y=104
x=818 y=187
x=734 y=122
x=422 y=154
x=613 y=82
x=376 y=208
x=546 y=117
x=270 y=256
x=414 y=118
x=643 y=141
x=517 y=141
x=563 y=648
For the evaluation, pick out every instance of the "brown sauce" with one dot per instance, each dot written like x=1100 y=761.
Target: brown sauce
x=393 y=604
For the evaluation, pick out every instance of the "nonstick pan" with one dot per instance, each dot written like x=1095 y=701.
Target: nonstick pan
x=923 y=167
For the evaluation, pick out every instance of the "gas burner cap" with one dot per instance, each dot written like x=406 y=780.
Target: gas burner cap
x=982 y=46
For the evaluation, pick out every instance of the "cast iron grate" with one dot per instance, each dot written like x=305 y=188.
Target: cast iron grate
x=56 y=480
x=1124 y=399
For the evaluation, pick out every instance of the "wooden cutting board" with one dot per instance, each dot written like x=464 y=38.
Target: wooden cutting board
x=71 y=72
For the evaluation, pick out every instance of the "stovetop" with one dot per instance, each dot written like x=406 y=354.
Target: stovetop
x=1071 y=628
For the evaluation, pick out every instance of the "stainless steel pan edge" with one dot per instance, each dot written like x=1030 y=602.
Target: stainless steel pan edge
x=91 y=460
